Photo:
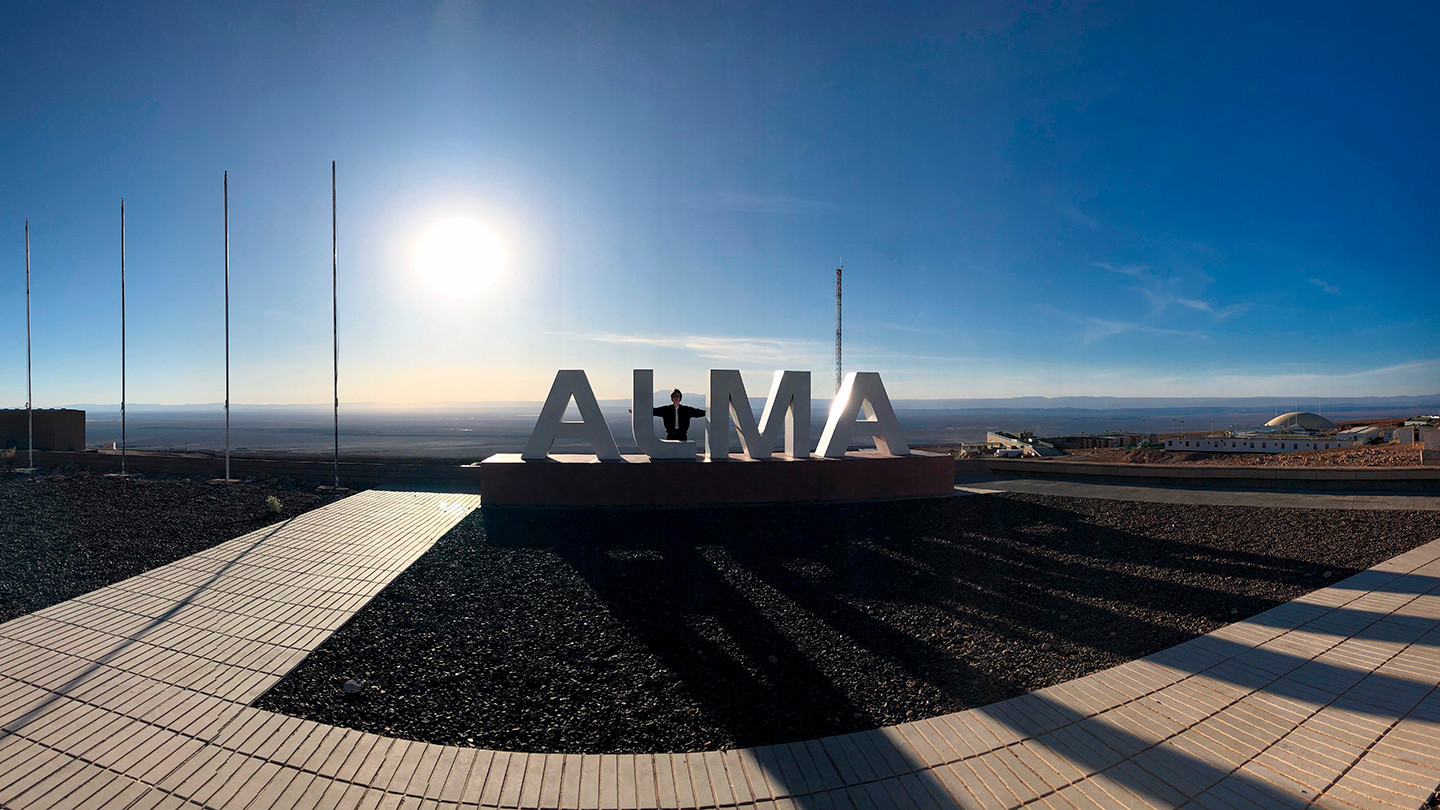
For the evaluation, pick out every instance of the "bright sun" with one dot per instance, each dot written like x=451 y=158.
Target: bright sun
x=460 y=257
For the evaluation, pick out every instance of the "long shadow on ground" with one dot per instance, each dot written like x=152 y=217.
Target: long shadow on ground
x=690 y=629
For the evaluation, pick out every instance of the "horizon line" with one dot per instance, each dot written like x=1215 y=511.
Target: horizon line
x=1271 y=398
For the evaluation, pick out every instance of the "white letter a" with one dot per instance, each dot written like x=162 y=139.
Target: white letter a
x=862 y=389
x=570 y=383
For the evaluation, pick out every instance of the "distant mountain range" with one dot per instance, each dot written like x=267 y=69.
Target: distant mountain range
x=472 y=430
x=1285 y=404
x=1429 y=403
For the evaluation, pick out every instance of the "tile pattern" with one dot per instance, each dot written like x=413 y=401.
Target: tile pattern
x=136 y=696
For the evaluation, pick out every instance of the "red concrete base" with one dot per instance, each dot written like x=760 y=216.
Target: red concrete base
x=579 y=480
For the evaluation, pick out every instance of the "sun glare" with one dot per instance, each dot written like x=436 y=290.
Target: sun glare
x=460 y=257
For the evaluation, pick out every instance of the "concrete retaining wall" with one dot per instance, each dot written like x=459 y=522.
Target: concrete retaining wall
x=578 y=480
x=858 y=477
x=467 y=479
x=355 y=475
x=55 y=428
x=1353 y=479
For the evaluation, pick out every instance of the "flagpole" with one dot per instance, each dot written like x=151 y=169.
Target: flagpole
x=227 y=326
x=122 y=336
x=29 y=389
x=335 y=317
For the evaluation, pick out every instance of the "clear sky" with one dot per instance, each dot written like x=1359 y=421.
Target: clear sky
x=1168 y=199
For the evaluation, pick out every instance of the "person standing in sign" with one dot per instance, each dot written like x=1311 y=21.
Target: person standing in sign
x=677 y=417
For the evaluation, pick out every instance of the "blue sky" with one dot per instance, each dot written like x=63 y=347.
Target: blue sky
x=1126 y=199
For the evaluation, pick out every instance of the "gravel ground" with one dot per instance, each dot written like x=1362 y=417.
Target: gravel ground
x=1370 y=455
x=691 y=629
x=62 y=535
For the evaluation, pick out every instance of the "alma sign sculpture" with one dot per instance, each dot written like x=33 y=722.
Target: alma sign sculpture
x=861 y=408
x=787 y=411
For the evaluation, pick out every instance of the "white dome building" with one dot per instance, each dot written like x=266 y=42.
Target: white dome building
x=1301 y=419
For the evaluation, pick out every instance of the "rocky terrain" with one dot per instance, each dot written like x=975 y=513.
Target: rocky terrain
x=62 y=535
x=1372 y=455
x=695 y=629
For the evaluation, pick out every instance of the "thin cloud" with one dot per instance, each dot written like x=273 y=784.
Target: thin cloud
x=876 y=356
x=745 y=202
x=1221 y=313
x=712 y=347
x=1325 y=285
x=1097 y=329
x=921 y=330
x=1414 y=378
x=1149 y=286
x=1132 y=270
x=1072 y=212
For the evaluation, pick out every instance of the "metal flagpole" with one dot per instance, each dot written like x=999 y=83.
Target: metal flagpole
x=335 y=317
x=29 y=390
x=227 y=326
x=122 y=335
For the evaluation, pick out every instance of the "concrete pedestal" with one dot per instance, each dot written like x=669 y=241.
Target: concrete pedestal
x=582 y=480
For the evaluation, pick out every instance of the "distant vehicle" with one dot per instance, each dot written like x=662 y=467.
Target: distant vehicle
x=1007 y=452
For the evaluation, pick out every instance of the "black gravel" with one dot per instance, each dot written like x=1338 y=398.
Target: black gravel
x=62 y=535
x=690 y=629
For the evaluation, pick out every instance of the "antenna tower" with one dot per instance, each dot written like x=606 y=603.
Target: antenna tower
x=29 y=391
x=839 y=374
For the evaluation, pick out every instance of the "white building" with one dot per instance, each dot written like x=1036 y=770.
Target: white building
x=1261 y=443
x=1027 y=445
x=1427 y=435
x=1369 y=433
x=1287 y=433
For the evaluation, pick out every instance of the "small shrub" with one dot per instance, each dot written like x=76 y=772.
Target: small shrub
x=274 y=505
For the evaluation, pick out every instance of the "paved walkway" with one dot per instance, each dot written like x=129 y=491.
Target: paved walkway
x=136 y=696
x=1205 y=496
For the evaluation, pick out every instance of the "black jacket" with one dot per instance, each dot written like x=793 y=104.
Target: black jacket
x=677 y=425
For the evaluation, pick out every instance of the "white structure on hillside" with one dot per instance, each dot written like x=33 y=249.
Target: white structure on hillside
x=1425 y=434
x=1026 y=444
x=1301 y=420
x=1287 y=433
x=1255 y=442
x=1368 y=433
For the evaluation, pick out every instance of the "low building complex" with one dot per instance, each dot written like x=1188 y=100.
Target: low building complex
x=1287 y=433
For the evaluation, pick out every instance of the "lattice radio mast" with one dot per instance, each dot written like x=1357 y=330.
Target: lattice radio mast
x=839 y=373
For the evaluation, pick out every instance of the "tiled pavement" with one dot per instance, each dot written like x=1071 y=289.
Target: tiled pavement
x=136 y=696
